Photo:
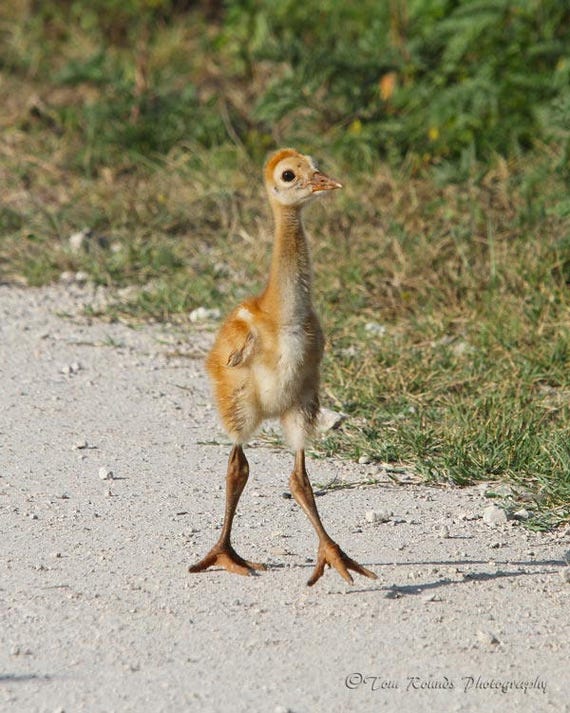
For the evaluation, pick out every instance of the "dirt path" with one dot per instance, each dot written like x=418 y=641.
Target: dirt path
x=98 y=612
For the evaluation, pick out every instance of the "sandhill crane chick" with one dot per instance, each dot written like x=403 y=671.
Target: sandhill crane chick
x=265 y=363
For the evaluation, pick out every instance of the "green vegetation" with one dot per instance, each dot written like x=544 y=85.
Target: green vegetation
x=442 y=268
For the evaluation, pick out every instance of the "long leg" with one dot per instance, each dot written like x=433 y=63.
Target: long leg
x=329 y=552
x=222 y=553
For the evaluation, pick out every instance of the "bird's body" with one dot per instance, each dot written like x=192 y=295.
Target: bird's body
x=273 y=367
x=266 y=358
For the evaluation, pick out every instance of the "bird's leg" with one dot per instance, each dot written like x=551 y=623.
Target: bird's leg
x=329 y=552
x=222 y=553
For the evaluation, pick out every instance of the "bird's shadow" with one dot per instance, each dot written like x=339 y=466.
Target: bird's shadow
x=397 y=591
x=420 y=588
x=24 y=677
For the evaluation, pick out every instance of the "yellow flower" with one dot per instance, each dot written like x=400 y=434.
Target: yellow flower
x=433 y=133
x=355 y=127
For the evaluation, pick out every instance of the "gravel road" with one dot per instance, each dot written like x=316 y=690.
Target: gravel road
x=111 y=483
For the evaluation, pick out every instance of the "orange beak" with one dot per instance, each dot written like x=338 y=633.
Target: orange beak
x=320 y=182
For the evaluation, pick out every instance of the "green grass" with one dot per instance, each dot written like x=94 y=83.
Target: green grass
x=459 y=249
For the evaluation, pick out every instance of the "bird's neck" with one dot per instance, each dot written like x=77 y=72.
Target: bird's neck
x=288 y=291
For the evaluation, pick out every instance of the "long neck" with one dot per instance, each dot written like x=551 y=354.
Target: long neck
x=288 y=291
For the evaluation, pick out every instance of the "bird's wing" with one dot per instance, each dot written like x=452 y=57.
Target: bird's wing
x=242 y=351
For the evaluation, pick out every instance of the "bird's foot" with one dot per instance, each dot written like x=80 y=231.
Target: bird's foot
x=330 y=554
x=224 y=555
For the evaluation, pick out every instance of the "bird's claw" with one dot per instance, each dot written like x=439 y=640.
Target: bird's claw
x=330 y=554
x=226 y=557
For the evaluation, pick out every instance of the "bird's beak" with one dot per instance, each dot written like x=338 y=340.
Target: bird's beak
x=320 y=182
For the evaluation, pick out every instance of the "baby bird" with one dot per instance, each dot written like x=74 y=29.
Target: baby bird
x=265 y=363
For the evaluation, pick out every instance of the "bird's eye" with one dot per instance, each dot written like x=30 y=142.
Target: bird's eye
x=288 y=176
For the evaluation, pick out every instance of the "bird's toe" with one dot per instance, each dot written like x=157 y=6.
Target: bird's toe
x=331 y=554
x=227 y=558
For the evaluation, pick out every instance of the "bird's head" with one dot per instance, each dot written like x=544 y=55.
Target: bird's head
x=292 y=178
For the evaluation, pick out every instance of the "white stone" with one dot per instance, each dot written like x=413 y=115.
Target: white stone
x=203 y=314
x=375 y=329
x=378 y=516
x=522 y=514
x=329 y=419
x=487 y=637
x=105 y=473
x=78 y=242
x=494 y=516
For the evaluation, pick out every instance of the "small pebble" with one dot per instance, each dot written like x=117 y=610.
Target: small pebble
x=330 y=420
x=375 y=328
x=468 y=516
x=565 y=575
x=70 y=278
x=431 y=597
x=522 y=514
x=79 y=241
x=487 y=637
x=106 y=474
x=494 y=516
x=203 y=314
x=443 y=531
x=350 y=352
x=67 y=277
x=19 y=651
x=461 y=348
x=70 y=369
x=502 y=490
x=378 y=516
x=364 y=459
